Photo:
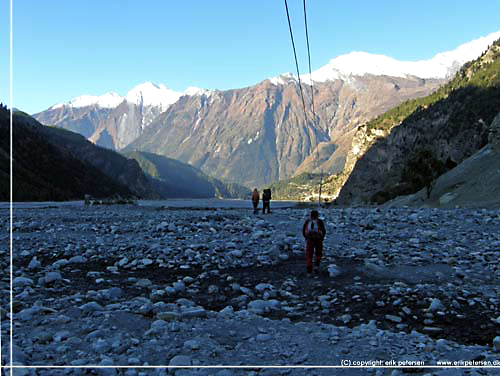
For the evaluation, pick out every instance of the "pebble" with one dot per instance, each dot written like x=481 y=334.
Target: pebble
x=436 y=305
x=51 y=277
x=21 y=282
x=496 y=343
x=392 y=318
x=110 y=322
x=180 y=360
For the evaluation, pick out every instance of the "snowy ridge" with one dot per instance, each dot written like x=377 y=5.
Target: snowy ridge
x=193 y=90
x=149 y=94
x=108 y=100
x=442 y=65
x=282 y=78
x=144 y=95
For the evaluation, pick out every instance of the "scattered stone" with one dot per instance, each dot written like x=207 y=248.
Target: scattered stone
x=392 y=318
x=496 y=343
x=436 y=305
x=91 y=307
x=51 y=277
x=34 y=263
x=99 y=316
x=21 y=282
x=77 y=260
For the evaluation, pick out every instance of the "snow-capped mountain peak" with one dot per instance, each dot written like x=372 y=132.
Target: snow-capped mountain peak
x=282 y=78
x=193 y=90
x=442 y=65
x=108 y=100
x=149 y=94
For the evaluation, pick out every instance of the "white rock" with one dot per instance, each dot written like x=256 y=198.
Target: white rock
x=264 y=286
x=393 y=318
x=237 y=253
x=436 y=305
x=261 y=307
x=163 y=226
x=333 y=270
x=227 y=311
x=146 y=261
x=258 y=235
x=263 y=337
x=188 y=280
x=77 y=260
x=27 y=314
x=193 y=312
x=180 y=360
x=91 y=307
x=168 y=316
x=442 y=345
x=123 y=262
x=179 y=286
x=59 y=263
x=345 y=318
x=159 y=325
x=496 y=343
x=192 y=344
x=185 y=302
x=22 y=282
x=101 y=346
x=34 y=263
x=144 y=282
x=52 y=277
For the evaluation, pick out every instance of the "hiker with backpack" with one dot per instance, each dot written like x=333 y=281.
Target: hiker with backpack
x=266 y=198
x=255 y=200
x=314 y=232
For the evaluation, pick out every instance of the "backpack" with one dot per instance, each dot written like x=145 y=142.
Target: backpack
x=266 y=196
x=313 y=230
x=255 y=196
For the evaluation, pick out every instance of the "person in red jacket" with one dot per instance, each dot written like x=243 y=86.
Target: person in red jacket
x=314 y=232
x=255 y=200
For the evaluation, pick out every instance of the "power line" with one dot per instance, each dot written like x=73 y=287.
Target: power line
x=296 y=61
x=309 y=58
x=311 y=84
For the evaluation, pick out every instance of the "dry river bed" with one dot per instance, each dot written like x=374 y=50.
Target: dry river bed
x=149 y=285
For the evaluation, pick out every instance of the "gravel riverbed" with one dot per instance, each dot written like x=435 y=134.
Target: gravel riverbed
x=149 y=285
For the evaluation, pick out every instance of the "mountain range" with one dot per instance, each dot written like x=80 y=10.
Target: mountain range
x=259 y=134
x=54 y=164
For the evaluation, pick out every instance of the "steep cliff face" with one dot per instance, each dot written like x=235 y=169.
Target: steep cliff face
x=113 y=128
x=473 y=183
x=452 y=123
x=111 y=120
x=259 y=134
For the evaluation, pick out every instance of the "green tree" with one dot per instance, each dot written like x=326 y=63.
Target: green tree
x=422 y=170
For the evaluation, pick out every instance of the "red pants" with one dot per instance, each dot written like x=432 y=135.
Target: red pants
x=316 y=246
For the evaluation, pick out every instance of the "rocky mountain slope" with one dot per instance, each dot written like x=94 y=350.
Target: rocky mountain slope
x=452 y=124
x=111 y=120
x=47 y=167
x=473 y=183
x=259 y=134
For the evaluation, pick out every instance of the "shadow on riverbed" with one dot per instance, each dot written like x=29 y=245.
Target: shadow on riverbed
x=397 y=298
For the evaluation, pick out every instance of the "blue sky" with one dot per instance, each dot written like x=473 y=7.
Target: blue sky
x=64 y=48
